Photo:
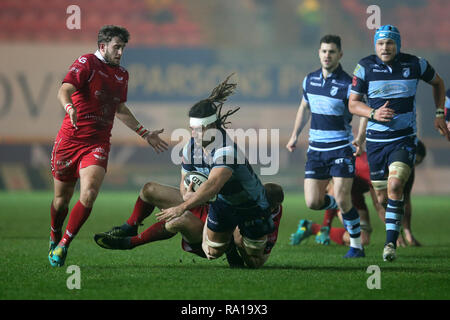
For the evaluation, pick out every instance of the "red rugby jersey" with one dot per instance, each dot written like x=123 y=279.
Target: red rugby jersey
x=100 y=89
x=272 y=238
x=362 y=168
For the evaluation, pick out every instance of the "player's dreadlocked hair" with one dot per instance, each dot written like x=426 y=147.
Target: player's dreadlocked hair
x=214 y=103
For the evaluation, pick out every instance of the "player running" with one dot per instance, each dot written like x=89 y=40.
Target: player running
x=330 y=151
x=190 y=225
x=389 y=79
x=92 y=93
x=361 y=185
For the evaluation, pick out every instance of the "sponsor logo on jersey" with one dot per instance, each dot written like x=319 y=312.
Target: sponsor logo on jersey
x=391 y=88
x=99 y=157
x=380 y=70
x=339 y=83
x=99 y=150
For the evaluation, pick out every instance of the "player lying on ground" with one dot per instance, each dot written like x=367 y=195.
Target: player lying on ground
x=190 y=225
x=241 y=197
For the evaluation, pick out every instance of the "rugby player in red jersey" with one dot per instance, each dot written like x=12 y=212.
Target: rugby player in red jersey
x=93 y=92
x=190 y=225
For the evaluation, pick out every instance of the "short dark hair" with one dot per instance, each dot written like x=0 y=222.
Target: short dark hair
x=106 y=33
x=330 y=38
x=274 y=193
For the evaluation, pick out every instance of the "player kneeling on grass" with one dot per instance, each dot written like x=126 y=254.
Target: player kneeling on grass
x=241 y=198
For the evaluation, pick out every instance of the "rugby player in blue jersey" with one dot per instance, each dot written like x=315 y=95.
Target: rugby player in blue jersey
x=330 y=152
x=389 y=80
x=241 y=197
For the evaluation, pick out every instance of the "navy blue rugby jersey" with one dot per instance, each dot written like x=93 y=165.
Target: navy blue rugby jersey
x=328 y=101
x=244 y=189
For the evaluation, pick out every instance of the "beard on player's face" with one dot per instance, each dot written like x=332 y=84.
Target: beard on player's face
x=112 y=51
x=110 y=57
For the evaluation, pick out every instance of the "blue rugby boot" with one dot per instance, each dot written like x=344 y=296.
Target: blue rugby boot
x=323 y=237
x=51 y=246
x=355 y=253
x=303 y=232
x=57 y=256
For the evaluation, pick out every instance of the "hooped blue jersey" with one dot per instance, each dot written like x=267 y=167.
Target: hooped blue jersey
x=328 y=101
x=244 y=189
x=396 y=83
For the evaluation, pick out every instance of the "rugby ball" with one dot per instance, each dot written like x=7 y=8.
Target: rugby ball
x=197 y=178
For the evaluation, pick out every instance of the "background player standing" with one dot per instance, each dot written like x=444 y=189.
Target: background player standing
x=92 y=93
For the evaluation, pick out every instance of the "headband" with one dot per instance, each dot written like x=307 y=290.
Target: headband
x=197 y=122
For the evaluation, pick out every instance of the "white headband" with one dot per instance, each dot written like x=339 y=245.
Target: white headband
x=197 y=122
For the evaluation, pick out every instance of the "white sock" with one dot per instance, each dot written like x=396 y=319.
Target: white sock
x=356 y=243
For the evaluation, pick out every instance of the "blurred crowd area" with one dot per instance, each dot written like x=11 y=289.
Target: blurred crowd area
x=424 y=24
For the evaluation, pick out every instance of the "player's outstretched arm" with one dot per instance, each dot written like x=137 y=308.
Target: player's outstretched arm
x=439 y=100
x=125 y=115
x=302 y=118
x=208 y=189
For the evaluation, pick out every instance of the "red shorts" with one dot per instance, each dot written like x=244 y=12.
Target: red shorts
x=359 y=187
x=200 y=212
x=68 y=157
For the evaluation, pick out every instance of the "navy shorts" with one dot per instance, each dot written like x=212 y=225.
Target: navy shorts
x=323 y=165
x=381 y=154
x=253 y=222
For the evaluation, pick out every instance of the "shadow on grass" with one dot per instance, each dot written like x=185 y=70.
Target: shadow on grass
x=196 y=266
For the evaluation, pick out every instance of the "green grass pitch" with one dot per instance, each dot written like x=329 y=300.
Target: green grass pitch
x=161 y=270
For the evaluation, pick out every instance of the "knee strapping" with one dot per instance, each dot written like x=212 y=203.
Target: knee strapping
x=207 y=244
x=379 y=184
x=251 y=245
x=399 y=170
